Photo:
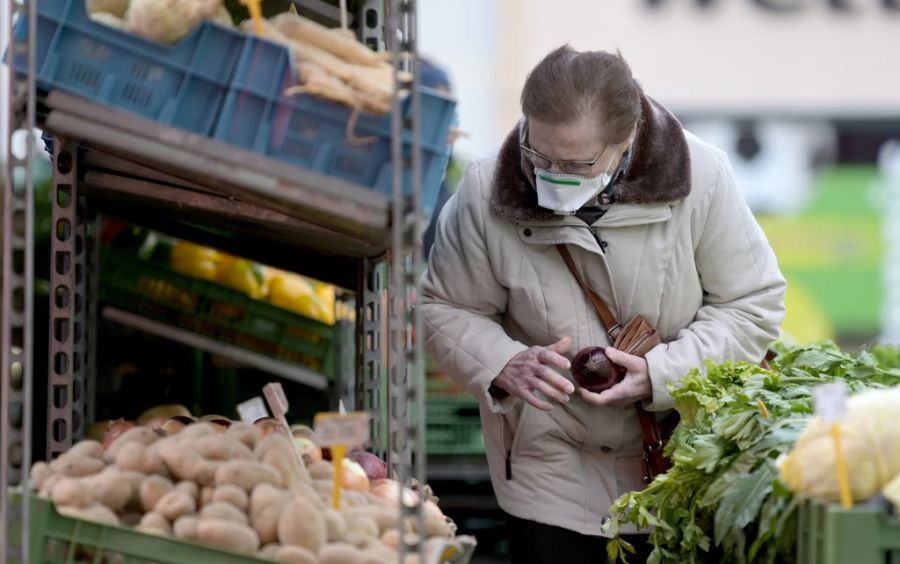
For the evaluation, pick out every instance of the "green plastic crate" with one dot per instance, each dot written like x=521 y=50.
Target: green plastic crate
x=154 y=291
x=56 y=539
x=453 y=426
x=829 y=534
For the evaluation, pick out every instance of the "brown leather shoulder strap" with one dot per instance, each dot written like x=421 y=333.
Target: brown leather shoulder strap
x=653 y=439
x=606 y=316
x=649 y=426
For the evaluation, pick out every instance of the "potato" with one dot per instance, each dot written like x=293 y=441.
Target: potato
x=322 y=470
x=185 y=464
x=40 y=471
x=110 y=488
x=246 y=474
x=233 y=495
x=386 y=517
x=94 y=512
x=137 y=457
x=152 y=489
x=134 y=479
x=185 y=527
x=238 y=450
x=438 y=527
x=197 y=431
x=141 y=435
x=221 y=511
x=206 y=495
x=87 y=448
x=155 y=524
x=352 y=498
x=295 y=555
x=131 y=518
x=266 y=504
x=71 y=492
x=325 y=487
x=75 y=466
x=175 y=504
x=336 y=525
x=340 y=553
x=213 y=447
x=376 y=552
x=307 y=491
x=189 y=488
x=302 y=524
x=226 y=534
x=268 y=552
x=391 y=538
x=243 y=432
x=285 y=463
x=361 y=528
x=49 y=484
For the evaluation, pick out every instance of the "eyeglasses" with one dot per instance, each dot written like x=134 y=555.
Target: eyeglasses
x=580 y=168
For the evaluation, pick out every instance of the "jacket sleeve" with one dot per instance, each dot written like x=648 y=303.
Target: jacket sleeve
x=743 y=304
x=462 y=299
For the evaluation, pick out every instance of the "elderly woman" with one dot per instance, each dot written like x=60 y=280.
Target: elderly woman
x=655 y=225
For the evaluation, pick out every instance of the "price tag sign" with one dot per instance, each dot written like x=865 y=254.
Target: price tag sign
x=348 y=429
x=831 y=401
x=276 y=399
x=252 y=410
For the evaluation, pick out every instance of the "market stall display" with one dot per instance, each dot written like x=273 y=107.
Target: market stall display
x=723 y=500
x=240 y=488
x=142 y=123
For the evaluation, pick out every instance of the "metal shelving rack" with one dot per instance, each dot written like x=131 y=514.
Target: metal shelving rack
x=195 y=188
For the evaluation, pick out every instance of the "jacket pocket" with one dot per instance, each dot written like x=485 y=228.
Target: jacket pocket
x=629 y=469
x=512 y=434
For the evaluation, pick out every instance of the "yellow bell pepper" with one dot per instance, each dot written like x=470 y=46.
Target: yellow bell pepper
x=295 y=293
x=195 y=261
x=242 y=275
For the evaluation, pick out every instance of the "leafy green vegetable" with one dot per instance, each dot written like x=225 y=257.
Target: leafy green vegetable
x=722 y=501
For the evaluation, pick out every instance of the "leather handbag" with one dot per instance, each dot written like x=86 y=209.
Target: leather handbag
x=637 y=337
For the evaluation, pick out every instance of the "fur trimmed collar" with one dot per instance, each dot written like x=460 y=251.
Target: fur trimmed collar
x=659 y=170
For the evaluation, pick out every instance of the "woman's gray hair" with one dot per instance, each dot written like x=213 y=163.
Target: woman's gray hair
x=568 y=85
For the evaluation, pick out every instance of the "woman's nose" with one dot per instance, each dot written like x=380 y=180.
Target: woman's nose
x=555 y=168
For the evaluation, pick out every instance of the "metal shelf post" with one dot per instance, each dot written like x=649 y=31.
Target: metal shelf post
x=67 y=252
x=16 y=363
x=371 y=347
x=406 y=409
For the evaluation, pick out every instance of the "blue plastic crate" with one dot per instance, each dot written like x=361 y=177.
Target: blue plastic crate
x=311 y=132
x=183 y=85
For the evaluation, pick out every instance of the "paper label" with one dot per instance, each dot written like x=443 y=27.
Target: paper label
x=831 y=401
x=276 y=399
x=252 y=410
x=350 y=429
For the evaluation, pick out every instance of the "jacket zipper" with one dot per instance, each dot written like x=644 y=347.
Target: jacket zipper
x=595 y=231
x=508 y=446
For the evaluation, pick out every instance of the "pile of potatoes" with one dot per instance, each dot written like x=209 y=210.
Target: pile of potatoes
x=240 y=488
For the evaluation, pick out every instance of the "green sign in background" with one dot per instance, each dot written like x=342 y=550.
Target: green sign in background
x=832 y=251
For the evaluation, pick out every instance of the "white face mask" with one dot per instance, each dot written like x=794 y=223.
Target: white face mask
x=567 y=193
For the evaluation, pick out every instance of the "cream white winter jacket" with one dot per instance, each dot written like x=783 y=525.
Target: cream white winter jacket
x=678 y=246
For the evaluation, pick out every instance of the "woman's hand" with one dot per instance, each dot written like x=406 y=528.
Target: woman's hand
x=530 y=371
x=633 y=388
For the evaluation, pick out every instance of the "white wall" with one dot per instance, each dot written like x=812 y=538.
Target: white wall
x=734 y=58
x=464 y=36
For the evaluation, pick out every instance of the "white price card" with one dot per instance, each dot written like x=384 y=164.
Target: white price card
x=276 y=399
x=252 y=410
x=831 y=401
x=349 y=429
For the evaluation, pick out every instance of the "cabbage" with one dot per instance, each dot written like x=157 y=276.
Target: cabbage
x=870 y=435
